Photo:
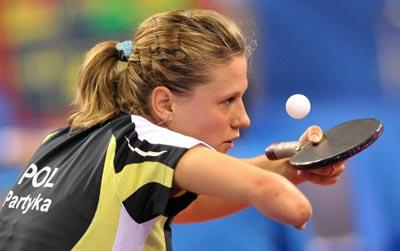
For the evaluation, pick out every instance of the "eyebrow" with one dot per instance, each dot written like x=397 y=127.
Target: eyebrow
x=232 y=94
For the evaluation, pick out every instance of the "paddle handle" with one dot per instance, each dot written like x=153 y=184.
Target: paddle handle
x=281 y=150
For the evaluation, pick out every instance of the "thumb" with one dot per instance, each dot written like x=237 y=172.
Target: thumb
x=313 y=134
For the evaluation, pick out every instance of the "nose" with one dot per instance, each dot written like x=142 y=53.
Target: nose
x=241 y=119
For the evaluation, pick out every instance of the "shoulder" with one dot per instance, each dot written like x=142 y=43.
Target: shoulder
x=155 y=134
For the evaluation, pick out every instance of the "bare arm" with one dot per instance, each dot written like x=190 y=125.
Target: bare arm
x=281 y=167
x=210 y=173
x=206 y=208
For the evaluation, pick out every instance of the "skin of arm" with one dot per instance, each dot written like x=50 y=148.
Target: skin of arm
x=281 y=167
x=217 y=175
x=207 y=207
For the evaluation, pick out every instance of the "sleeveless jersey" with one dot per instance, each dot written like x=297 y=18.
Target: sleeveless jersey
x=108 y=187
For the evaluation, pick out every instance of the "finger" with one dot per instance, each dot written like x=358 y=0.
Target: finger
x=331 y=170
x=313 y=133
x=324 y=171
x=317 y=179
x=339 y=169
x=320 y=180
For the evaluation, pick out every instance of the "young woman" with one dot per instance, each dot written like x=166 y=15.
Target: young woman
x=147 y=145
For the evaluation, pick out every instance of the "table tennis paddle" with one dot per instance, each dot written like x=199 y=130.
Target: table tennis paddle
x=338 y=143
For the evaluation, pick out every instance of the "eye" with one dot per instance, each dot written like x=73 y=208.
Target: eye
x=229 y=101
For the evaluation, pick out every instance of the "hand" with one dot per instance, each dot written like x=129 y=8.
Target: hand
x=324 y=175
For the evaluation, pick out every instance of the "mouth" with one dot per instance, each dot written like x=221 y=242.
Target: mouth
x=226 y=146
x=231 y=141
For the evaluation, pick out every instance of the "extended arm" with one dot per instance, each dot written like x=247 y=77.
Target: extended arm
x=208 y=207
x=210 y=173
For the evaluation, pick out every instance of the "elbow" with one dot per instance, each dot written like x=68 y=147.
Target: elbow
x=296 y=208
x=281 y=201
x=301 y=213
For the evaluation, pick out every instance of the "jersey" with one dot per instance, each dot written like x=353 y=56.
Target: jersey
x=108 y=187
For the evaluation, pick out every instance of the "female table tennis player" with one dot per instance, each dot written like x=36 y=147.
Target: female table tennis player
x=146 y=146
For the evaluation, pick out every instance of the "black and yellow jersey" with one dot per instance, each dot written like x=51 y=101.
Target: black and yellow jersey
x=108 y=187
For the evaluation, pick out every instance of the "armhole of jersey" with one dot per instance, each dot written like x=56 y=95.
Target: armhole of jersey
x=144 y=128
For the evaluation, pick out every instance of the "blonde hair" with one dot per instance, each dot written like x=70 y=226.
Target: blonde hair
x=176 y=49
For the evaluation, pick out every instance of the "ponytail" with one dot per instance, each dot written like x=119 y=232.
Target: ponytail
x=97 y=86
x=175 y=49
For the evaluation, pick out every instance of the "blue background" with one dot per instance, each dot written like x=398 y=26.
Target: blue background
x=343 y=55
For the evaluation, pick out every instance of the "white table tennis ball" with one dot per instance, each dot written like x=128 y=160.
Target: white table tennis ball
x=298 y=106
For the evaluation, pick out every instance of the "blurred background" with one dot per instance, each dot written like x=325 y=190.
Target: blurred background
x=344 y=55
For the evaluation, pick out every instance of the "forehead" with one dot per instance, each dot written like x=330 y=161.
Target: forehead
x=231 y=77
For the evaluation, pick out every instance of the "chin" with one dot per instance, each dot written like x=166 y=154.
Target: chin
x=220 y=149
x=223 y=149
x=226 y=151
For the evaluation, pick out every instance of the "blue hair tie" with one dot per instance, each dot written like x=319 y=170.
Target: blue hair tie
x=124 y=50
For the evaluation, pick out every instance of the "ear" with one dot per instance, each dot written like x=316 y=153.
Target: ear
x=161 y=102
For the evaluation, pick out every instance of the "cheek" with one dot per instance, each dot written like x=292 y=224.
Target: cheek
x=207 y=123
x=212 y=125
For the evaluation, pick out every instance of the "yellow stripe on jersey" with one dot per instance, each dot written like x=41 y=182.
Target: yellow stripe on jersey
x=102 y=230
x=49 y=136
x=156 y=239
x=134 y=176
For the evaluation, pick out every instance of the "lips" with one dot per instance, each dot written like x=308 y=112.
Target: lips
x=231 y=141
